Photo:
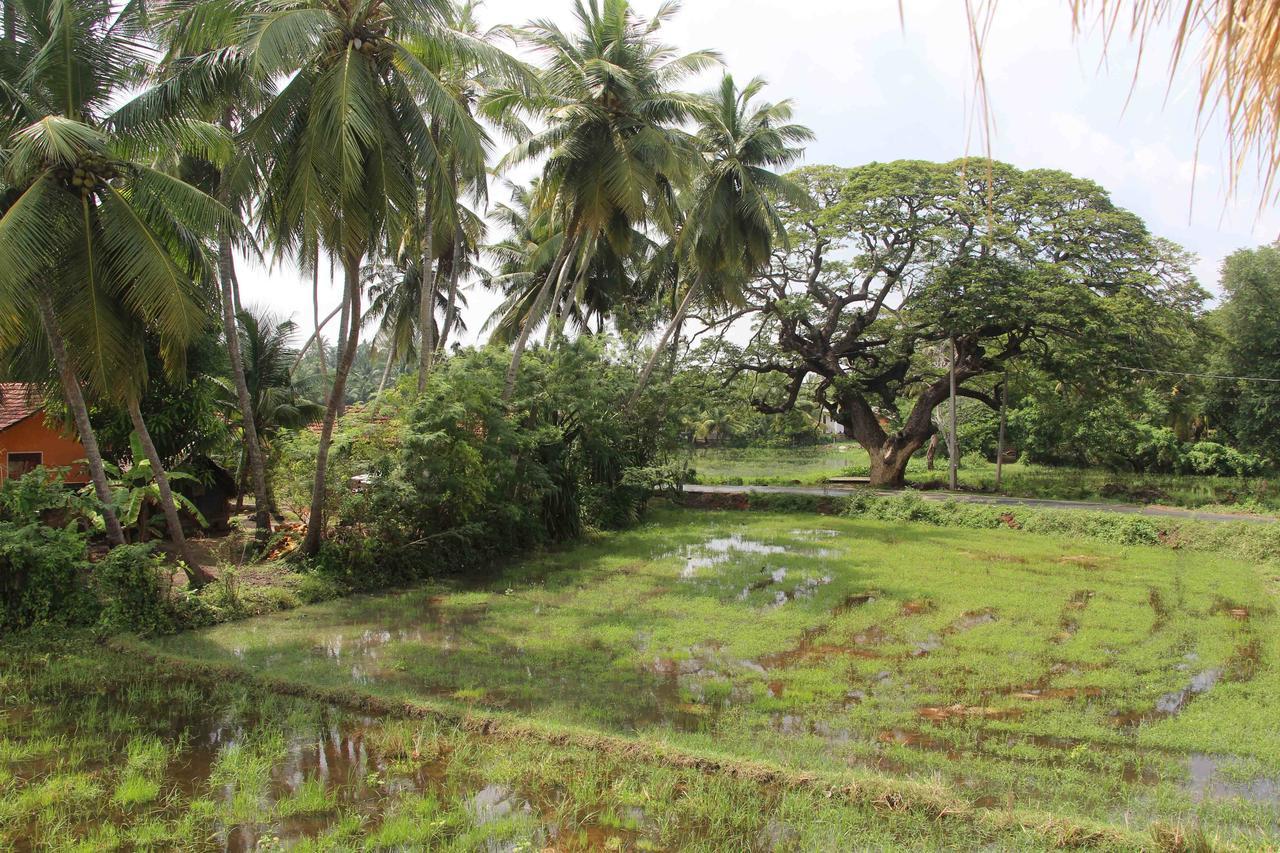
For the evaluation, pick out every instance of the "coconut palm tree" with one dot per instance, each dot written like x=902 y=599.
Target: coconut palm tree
x=731 y=224
x=481 y=90
x=204 y=73
x=344 y=147
x=613 y=145
x=395 y=290
x=607 y=283
x=97 y=243
x=277 y=402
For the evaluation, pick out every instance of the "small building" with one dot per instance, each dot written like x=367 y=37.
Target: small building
x=29 y=438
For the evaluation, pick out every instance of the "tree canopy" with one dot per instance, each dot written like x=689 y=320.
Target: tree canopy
x=896 y=262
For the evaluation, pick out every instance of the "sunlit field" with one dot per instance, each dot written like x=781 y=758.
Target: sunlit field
x=814 y=465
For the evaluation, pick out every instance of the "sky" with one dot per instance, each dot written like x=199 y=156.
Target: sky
x=876 y=88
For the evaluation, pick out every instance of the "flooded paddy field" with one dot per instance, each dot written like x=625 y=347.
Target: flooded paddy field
x=100 y=751
x=1019 y=681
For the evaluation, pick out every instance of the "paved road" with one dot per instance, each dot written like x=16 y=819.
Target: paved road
x=990 y=500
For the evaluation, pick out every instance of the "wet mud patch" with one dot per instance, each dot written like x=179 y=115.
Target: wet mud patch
x=1069 y=622
x=967 y=622
x=958 y=711
x=1245 y=661
x=918 y=607
x=1238 y=612
x=1084 y=561
x=995 y=557
x=1160 y=609
x=810 y=649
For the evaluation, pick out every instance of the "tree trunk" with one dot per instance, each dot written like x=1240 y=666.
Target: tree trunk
x=315 y=336
x=196 y=575
x=1004 y=394
x=932 y=453
x=315 y=314
x=386 y=369
x=953 y=440
x=316 y=522
x=889 y=461
x=344 y=320
x=561 y=303
x=451 y=309
x=661 y=344
x=252 y=447
x=530 y=319
x=80 y=412
x=427 y=296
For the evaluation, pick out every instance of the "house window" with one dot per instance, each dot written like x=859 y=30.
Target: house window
x=21 y=463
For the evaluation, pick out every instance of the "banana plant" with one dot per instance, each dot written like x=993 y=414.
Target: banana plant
x=136 y=493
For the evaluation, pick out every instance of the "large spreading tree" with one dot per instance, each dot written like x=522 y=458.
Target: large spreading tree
x=896 y=263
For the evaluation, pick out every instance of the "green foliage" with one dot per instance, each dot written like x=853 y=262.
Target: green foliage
x=42 y=576
x=900 y=262
x=43 y=565
x=1246 y=540
x=46 y=578
x=133 y=584
x=1249 y=322
x=1105 y=434
x=457 y=476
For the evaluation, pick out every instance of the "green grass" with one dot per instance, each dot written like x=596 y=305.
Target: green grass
x=807 y=466
x=1123 y=685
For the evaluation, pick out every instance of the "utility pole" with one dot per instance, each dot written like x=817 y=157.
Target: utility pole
x=953 y=441
x=1004 y=398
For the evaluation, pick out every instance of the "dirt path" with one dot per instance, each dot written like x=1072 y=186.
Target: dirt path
x=990 y=500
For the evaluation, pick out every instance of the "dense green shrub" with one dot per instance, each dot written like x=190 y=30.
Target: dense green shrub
x=43 y=574
x=456 y=476
x=132 y=583
x=43 y=553
x=1107 y=436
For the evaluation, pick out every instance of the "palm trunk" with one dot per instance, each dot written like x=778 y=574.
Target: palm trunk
x=315 y=336
x=662 y=342
x=427 y=296
x=253 y=448
x=316 y=521
x=451 y=309
x=386 y=369
x=344 y=323
x=80 y=412
x=197 y=577
x=315 y=313
x=562 y=303
x=531 y=319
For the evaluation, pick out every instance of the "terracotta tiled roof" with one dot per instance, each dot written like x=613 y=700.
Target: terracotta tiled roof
x=18 y=400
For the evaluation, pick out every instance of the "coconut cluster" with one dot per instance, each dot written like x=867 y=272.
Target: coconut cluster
x=89 y=174
x=370 y=38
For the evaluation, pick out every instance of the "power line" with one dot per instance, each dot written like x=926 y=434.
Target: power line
x=1197 y=375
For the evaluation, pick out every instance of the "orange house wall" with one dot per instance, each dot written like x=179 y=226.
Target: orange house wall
x=37 y=434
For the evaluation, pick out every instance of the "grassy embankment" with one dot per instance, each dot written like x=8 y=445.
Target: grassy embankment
x=1026 y=675
x=786 y=466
